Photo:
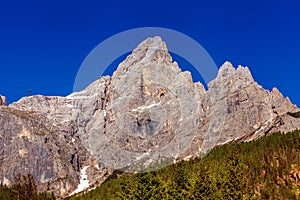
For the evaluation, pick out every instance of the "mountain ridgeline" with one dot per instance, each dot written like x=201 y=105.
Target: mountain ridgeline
x=146 y=116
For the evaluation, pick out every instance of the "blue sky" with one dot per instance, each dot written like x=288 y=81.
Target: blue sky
x=43 y=43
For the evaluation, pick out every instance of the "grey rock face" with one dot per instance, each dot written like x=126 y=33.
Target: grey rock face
x=58 y=124
x=241 y=110
x=31 y=144
x=148 y=112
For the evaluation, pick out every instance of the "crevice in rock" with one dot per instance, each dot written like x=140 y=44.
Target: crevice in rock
x=142 y=88
x=104 y=102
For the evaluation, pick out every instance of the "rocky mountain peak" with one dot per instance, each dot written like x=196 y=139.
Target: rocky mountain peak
x=226 y=70
x=148 y=112
x=152 y=51
x=276 y=92
x=232 y=78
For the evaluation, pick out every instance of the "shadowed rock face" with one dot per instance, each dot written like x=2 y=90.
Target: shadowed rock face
x=147 y=112
x=2 y=101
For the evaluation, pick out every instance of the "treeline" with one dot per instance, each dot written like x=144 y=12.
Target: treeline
x=268 y=168
x=23 y=188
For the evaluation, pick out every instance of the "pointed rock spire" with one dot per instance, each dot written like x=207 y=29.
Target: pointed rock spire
x=154 y=49
x=226 y=69
x=150 y=51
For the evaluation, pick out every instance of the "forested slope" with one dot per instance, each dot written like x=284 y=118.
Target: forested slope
x=268 y=168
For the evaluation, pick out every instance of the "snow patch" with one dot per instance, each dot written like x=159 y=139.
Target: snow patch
x=92 y=188
x=84 y=182
x=227 y=141
x=97 y=166
x=175 y=158
x=5 y=181
x=146 y=107
x=187 y=158
x=143 y=155
x=80 y=97
x=264 y=126
x=70 y=106
x=73 y=140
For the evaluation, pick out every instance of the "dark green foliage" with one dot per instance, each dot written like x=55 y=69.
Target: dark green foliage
x=295 y=114
x=268 y=168
x=24 y=188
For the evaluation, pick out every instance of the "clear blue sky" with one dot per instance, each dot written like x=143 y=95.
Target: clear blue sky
x=43 y=43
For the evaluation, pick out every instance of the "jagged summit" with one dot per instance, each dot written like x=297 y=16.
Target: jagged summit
x=228 y=70
x=150 y=45
x=151 y=51
x=149 y=111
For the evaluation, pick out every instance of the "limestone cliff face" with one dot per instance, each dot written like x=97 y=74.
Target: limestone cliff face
x=238 y=109
x=45 y=137
x=148 y=112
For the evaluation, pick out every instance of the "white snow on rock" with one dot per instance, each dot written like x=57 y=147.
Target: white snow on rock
x=143 y=155
x=227 y=141
x=69 y=106
x=80 y=97
x=262 y=128
x=146 y=107
x=187 y=158
x=84 y=182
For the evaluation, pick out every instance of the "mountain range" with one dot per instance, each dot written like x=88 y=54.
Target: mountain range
x=145 y=116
